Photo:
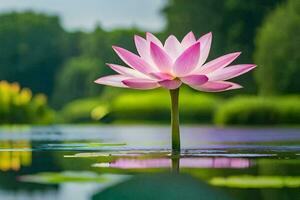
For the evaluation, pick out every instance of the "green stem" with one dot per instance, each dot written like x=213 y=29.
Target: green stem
x=175 y=163
x=175 y=121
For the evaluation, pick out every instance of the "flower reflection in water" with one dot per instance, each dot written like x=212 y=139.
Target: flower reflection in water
x=220 y=162
x=13 y=160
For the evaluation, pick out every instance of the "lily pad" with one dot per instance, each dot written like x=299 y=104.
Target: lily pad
x=257 y=181
x=74 y=177
x=78 y=146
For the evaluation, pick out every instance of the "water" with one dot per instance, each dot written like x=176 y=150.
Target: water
x=134 y=162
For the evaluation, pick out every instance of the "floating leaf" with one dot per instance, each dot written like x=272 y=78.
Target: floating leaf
x=88 y=155
x=62 y=177
x=105 y=144
x=257 y=181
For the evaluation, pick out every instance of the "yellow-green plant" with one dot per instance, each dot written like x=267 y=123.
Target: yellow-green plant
x=19 y=106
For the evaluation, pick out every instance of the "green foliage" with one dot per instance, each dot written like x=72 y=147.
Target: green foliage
x=18 y=106
x=33 y=46
x=82 y=110
x=278 y=53
x=155 y=106
x=76 y=80
x=259 y=111
x=98 y=44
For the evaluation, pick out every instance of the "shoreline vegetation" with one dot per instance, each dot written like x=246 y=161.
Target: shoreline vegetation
x=150 y=108
x=194 y=109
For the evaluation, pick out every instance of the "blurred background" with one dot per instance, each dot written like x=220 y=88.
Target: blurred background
x=51 y=52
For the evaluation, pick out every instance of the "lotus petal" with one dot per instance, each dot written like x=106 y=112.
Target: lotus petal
x=216 y=86
x=133 y=60
x=126 y=71
x=188 y=40
x=161 y=76
x=194 y=79
x=230 y=72
x=142 y=47
x=171 y=84
x=112 y=80
x=187 y=61
x=161 y=59
x=141 y=84
x=173 y=47
x=217 y=63
x=151 y=38
x=205 y=42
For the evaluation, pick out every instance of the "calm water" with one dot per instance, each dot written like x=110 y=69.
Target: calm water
x=134 y=162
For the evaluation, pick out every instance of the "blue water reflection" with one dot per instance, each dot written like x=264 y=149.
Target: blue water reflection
x=74 y=162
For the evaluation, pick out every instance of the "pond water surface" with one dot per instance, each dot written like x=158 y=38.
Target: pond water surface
x=134 y=162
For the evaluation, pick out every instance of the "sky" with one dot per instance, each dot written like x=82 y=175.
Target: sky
x=85 y=14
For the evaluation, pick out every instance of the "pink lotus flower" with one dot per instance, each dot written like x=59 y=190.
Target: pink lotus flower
x=170 y=64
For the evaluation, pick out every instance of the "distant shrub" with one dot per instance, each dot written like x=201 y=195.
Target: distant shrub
x=155 y=107
x=140 y=107
x=289 y=110
x=198 y=108
x=259 y=111
x=19 y=106
x=279 y=71
x=83 y=111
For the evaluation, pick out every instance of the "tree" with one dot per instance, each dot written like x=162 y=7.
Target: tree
x=99 y=43
x=278 y=51
x=76 y=80
x=33 y=47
